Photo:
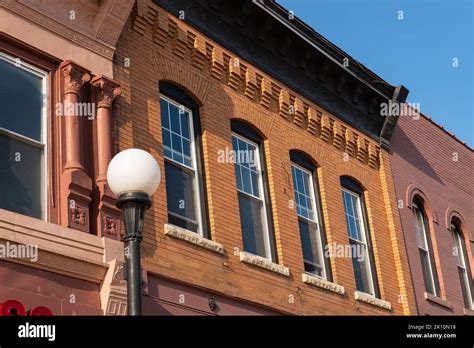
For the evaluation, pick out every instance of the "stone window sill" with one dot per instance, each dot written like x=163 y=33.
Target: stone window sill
x=264 y=263
x=371 y=299
x=193 y=238
x=438 y=300
x=468 y=311
x=322 y=283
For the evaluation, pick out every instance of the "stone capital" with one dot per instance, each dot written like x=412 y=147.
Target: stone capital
x=107 y=89
x=74 y=76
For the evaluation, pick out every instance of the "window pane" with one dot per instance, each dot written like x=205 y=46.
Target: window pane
x=312 y=250
x=305 y=191
x=251 y=222
x=164 y=114
x=166 y=139
x=353 y=228
x=21 y=99
x=303 y=195
x=238 y=177
x=459 y=249
x=176 y=141
x=348 y=204
x=419 y=229
x=465 y=286
x=180 y=192
x=174 y=118
x=246 y=174
x=352 y=217
x=299 y=175
x=464 y=270
x=20 y=177
x=360 y=261
x=235 y=147
x=254 y=178
x=358 y=230
x=427 y=275
x=246 y=180
x=187 y=152
x=185 y=125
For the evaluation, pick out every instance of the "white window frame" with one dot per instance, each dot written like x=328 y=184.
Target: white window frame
x=263 y=199
x=315 y=218
x=43 y=144
x=363 y=234
x=417 y=211
x=193 y=168
x=462 y=263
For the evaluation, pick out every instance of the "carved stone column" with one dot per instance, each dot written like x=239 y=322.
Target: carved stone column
x=76 y=185
x=109 y=217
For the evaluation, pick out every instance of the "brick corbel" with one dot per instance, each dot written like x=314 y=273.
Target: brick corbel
x=76 y=185
x=108 y=217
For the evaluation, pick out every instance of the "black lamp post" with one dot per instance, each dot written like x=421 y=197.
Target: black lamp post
x=134 y=176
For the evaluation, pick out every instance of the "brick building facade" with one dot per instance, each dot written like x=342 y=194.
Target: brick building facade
x=307 y=224
x=156 y=47
x=433 y=169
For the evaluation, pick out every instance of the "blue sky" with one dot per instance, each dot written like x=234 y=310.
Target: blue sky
x=416 y=52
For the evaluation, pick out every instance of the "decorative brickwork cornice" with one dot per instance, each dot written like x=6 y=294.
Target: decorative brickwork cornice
x=167 y=32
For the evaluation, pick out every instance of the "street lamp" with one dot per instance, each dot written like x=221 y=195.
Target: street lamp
x=133 y=175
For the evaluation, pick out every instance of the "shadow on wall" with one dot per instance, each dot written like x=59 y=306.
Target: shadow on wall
x=403 y=147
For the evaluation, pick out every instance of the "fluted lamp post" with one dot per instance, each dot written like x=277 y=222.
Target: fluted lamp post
x=133 y=175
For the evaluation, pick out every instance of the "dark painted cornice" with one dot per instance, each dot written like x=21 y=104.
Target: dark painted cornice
x=261 y=33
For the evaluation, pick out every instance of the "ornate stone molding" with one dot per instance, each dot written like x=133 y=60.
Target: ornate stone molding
x=78 y=216
x=96 y=28
x=74 y=77
x=370 y=299
x=113 y=291
x=107 y=90
x=322 y=283
x=109 y=226
x=264 y=263
x=193 y=238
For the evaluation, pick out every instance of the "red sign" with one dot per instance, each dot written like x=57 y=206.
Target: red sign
x=15 y=308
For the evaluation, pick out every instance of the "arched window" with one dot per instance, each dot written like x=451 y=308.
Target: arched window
x=183 y=165
x=425 y=248
x=252 y=188
x=359 y=237
x=313 y=241
x=464 y=269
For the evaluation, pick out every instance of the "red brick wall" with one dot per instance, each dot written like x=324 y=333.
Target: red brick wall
x=423 y=156
x=160 y=47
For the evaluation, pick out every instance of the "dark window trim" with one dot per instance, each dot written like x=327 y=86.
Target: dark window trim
x=302 y=160
x=179 y=95
x=352 y=185
x=246 y=131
